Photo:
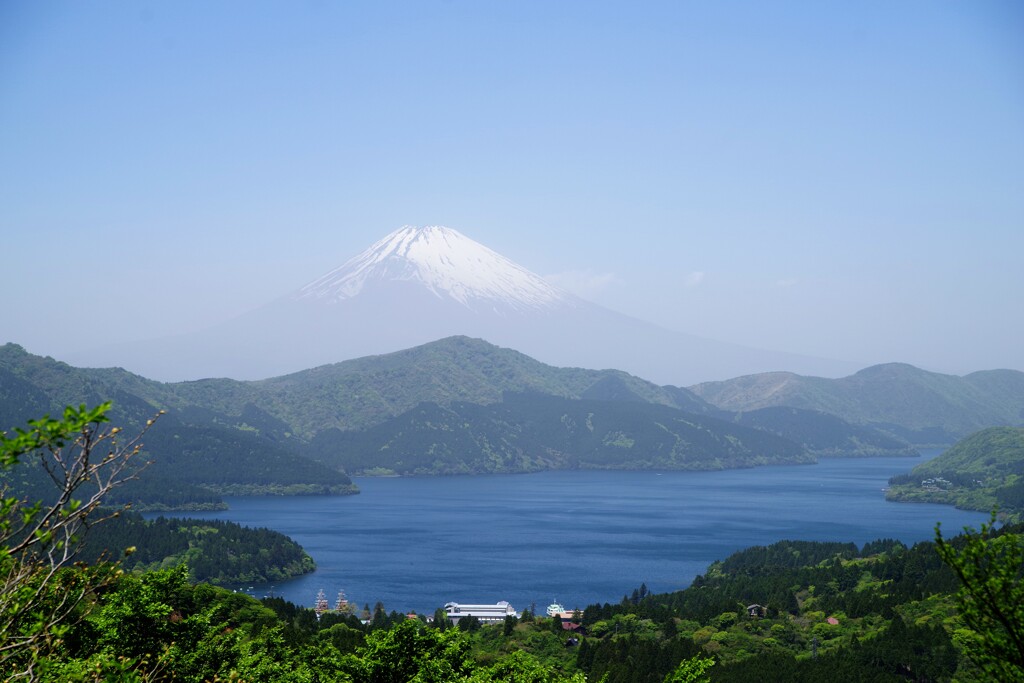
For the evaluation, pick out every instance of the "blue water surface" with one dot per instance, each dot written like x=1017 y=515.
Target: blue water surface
x=576 y=537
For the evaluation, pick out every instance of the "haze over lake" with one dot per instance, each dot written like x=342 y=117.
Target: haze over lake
x=577 y=537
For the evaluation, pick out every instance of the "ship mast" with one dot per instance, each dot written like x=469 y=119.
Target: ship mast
x=321 y=605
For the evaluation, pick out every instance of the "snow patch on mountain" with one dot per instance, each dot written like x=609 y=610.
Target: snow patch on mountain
x=447 y=263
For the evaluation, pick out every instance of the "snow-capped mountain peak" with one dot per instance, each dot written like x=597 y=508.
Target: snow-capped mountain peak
x=447 y=263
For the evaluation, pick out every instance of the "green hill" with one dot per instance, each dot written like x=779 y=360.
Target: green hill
x=528 y=432
x=980 y=472
x=197 y=455
x=224 y=436
x=366 y=391
x=924 y=408
x=214 y=551
x=355 y=393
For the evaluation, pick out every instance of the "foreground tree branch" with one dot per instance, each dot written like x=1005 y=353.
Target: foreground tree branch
x=990 y=567
x=39 y=596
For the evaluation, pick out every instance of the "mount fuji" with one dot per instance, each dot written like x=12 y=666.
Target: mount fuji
x=450 y=266
x=418 y=285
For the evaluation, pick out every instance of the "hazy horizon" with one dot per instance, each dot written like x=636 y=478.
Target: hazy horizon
x=835 y=181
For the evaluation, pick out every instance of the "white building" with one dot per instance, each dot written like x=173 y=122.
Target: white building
x=487 y=614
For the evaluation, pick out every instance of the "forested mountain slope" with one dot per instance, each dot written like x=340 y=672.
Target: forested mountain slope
x=916 y=405
x=365 y=391
x=824 y=434
x=227 y=436
x=195 y=455
x=527 y=432
x=980 y=472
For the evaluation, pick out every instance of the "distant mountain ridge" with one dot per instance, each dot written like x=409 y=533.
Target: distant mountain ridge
x=231 y=436
x=913 y=405
x=350 y=394
x=919 y=406
x=365 y=391
x=418 y=285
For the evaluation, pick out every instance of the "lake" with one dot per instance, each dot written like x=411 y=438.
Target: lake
x=576 y=537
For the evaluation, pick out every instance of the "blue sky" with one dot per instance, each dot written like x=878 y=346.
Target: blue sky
x=837 y=179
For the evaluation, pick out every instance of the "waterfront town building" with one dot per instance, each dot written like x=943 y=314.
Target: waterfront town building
x=487 y=614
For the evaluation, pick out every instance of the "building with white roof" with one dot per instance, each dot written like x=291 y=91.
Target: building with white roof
x=487 y=614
